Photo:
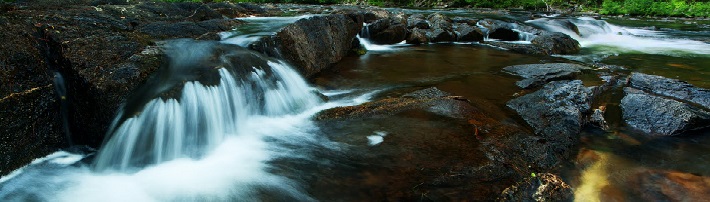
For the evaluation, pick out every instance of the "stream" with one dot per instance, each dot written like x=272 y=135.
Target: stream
x=252 y=136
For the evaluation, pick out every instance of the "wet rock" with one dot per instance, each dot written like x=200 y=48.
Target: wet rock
x=441 y=28
x=538 y=74
x=203 y=30
x=660 y=116
x=417 y=36
x=557 y=43
x=530 y=49
x=597 y=118
x=466 y=32
x=542 y=187
x=373 y=14
x=312 y=44
x=501 y=30
x=386 y=31
x=431 y=99
x=556 y=109
x=671 y=87
x=99 y=52
x=466 y=20
x=417 y=21
x=657 y=185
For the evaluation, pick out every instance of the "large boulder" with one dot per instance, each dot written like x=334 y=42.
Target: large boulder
x=557 y=43
x=417 y=36
x=313 y=44
x=466 y=32
x=69 y=67
x=497 y=29
x=661 y=116
x=538 y=74
x=671 y=87
x=441 y=28
x=417 y=21
x=386 y=31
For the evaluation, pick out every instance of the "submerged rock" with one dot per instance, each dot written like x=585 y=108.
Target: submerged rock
x=541 y=187
x=657 y=185
x=449 y=150
x=670 y=87
x=312 y=44
x=538 y=74
x=530 y=49
x=661 y=116
x=431 y=99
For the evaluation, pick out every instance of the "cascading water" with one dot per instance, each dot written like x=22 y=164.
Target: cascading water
x=200 y=119
x=206 y=136
x=607 y=39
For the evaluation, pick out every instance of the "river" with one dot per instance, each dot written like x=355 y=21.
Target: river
x=225 y=143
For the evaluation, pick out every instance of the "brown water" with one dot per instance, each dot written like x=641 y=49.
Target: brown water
x=618 y=157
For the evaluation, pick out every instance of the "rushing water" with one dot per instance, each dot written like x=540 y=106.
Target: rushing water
x=241 y=128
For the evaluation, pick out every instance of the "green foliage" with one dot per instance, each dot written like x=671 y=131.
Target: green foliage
x=687 y=8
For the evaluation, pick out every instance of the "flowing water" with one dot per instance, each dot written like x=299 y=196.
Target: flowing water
x=240 y=127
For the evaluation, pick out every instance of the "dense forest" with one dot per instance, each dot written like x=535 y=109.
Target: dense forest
x=676 y=8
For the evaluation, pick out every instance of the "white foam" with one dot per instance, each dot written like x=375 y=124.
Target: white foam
x=376 y=139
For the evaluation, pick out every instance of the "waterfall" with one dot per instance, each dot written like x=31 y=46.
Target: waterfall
x=196 y=122
x=609 y=39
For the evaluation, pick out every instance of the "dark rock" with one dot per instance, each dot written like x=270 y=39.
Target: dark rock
x=557 y=43
x=312 y=44
x=101 y=57
x=488 y=157
x=417 y=36
x=373 y=14
x=387 y=31
x=441 y=28
x=538 y=74
x=417 y=21
x=530 y=49
x=466 y=32
x=466 y=20
x=496 y=29
x=597 y=118
x=440 y=35
x=671 y=88
x=660 y=116
x=542 y=187
x=431 y=99
x=553 y=25
x=203 y=30
x=556 y=113
x=654 y=185
x=555 y=110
